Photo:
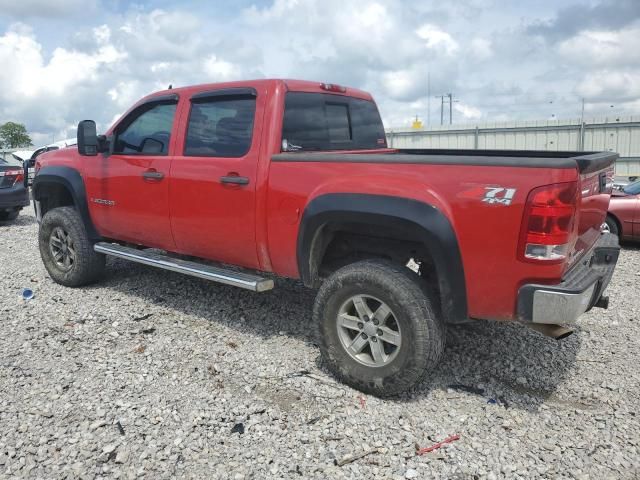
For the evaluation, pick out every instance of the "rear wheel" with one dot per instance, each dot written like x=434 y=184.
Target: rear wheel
x=65 y=248
x=9 y=215
x=613 y=225
x=378 y=330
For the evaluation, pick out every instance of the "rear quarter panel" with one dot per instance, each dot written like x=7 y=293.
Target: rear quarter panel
x=487 y=233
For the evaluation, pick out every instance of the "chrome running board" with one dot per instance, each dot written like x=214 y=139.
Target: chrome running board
x=200 y=270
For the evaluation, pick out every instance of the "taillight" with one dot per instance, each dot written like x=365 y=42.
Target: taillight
x=548 y=222
x=332 y=87
x=12 y=177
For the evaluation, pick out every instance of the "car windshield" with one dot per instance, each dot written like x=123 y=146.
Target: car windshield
x=632 y=188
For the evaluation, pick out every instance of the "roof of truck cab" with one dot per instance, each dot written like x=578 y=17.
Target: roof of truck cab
x=291 y=85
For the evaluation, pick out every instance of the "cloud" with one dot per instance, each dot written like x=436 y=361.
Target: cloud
x=436 y=38
x=500 y=61
x=105 y=69
x=609 y=48
x=467 y=111
x=220 y=70
x=46 y=8
x=608 y=14
x=481 y=48
x=64 y=70
x=608 y=86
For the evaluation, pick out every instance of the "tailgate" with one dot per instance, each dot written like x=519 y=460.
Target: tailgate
x=596 y=181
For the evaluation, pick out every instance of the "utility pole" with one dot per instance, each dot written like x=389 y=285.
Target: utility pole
x=450 y=99
x=441 y=97
x=581 y=138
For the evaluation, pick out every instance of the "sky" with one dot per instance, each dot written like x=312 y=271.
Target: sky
x=62 y=61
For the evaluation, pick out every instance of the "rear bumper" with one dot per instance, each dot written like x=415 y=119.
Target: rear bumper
x=14 y=197
x=579 y=291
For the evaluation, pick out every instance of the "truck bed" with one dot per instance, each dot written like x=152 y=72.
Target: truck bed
x=585 y=162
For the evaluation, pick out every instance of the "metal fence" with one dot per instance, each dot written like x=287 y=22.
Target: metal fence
x=617 y=134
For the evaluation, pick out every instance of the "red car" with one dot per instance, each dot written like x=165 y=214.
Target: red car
x=623 y=218
x=294 y=178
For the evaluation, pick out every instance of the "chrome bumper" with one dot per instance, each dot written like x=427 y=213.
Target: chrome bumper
x=579 y=291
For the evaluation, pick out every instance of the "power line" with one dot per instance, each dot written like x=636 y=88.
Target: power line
x=450 y=100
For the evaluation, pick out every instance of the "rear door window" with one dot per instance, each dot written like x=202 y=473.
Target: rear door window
x=220 y=126
x=317 y=121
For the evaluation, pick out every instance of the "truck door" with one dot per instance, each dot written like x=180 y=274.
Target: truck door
x=214 y=176
x=128 y=190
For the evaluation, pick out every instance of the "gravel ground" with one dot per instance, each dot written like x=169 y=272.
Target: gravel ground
x=155 y=375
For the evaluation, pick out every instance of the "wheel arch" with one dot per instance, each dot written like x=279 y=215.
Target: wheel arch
x=429 y=225
x=58 y=186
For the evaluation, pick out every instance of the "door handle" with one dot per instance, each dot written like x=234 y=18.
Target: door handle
x=234 y=180
x=152 y=175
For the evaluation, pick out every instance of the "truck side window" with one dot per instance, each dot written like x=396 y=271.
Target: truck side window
x=146 y=131
x=220 y=127
x=318 y=121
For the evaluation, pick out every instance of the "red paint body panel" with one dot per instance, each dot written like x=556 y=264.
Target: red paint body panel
x=487 y=234
x=211 y=219
x=257 y=225
x=141 y=210
x=626 y=209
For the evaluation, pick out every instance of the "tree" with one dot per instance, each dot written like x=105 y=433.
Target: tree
x=14 y=135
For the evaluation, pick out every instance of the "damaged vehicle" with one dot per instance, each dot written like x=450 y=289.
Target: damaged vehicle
x=291 y=178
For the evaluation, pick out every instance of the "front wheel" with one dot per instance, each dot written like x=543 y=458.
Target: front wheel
x=378 y=329
x=65 y=248
x=613 y=225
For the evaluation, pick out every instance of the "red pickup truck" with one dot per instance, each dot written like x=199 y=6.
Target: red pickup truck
x=295 y=178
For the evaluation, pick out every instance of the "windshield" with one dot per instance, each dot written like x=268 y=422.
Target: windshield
x=632 y=188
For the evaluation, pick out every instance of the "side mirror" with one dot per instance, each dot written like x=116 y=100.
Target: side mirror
x=87 y=138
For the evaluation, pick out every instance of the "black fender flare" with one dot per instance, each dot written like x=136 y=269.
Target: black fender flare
x=72 y=181
x=435 y=232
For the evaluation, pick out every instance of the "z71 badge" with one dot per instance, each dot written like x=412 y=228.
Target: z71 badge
x=499 y=195
x=491 y=195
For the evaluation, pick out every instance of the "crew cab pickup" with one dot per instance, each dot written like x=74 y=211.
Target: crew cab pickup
x=243 y=182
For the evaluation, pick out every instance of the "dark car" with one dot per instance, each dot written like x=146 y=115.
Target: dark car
x=14 y=195
x=623 y=218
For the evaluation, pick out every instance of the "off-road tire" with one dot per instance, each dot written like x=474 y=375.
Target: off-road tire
x=88 y=265
x=9 y=216
x=423 y=331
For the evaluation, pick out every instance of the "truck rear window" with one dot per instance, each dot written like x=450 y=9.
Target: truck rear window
x=318 y=121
